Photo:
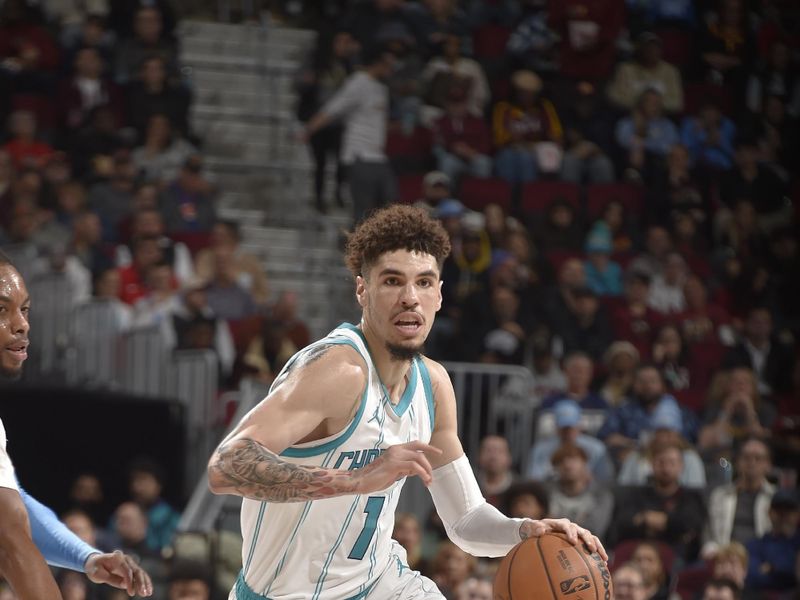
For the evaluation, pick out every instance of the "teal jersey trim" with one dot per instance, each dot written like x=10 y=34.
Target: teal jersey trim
x=243 y=591
x=306 y=451
x=324 y=575
x=428 y=387
x=261 y=510
x=411 y=388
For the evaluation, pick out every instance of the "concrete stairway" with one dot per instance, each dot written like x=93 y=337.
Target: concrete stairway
x=241 y=77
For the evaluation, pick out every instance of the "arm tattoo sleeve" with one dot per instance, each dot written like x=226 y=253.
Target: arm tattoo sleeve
x=252 y=471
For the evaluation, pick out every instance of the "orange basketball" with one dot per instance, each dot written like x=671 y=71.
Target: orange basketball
x=549 y=567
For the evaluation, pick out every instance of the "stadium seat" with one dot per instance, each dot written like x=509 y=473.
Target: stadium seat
x=599 y=195
x=40 y=105
x=676 y=46
x=244 y=331
x=696 y=94
x=690 y=581
x=557 y=258
x=409 y=188
x=489 y=41
x=537 y=196
x=477 y=193
x=623 y=552
x=409 y=153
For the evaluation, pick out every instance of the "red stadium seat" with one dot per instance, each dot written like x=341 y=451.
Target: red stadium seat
x=676 y=46
x=692 y=579
x=696 y=94
x=624 y=550
x=409 y=188
x=599 y=195
x=537 y=196
x=409 y=153
x=557 y=258
x=490 y=41
x=477 y=193
x=244 y=332
x=40 y=105
x=194 y=240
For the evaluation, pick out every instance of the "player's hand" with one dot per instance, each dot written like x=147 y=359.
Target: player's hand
x=403 y=460
x=120 y=571
x=575 y=534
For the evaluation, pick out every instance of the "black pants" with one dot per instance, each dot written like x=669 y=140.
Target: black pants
x=325 y=142
x=372 y=185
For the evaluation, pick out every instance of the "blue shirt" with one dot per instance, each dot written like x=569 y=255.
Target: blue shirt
x=661 y=135
x=632 y=419
x=541 y=469
x=589 y=401
x=780 y=554
x=604 y=283
x=695 y=138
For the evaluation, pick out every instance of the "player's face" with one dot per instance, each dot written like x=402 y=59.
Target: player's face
x=14 y=307
x=400 y=297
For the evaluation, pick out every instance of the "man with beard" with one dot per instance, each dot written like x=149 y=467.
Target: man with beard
x=359 y=411
x=30 y=533
x=631 y=423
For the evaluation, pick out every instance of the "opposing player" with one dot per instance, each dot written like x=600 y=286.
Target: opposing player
x=30 y=533
x=320 y=462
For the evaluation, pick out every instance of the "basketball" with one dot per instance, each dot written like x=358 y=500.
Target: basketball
x=549 y=567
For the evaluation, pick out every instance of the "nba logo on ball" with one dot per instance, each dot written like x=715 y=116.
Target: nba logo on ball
x=550 y=567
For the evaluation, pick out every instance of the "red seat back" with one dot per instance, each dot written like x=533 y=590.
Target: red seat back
x=476 y=193
x=537 y=196
x=489 y=41
x=409 y=188
x=599 y=195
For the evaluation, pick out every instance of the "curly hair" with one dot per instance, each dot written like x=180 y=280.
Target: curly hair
x=396 y=227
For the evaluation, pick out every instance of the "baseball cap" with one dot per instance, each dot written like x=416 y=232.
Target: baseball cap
x=599 y=239
x=667 y=415
x=436 y=178
x=785 y=499
x=567 y=413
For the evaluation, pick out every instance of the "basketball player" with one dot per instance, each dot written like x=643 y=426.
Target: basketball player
x=30 y=533
x=320 y=462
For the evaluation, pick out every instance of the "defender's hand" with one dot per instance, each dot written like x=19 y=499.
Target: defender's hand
x=120 y=571
x=403 y=460
x=575 y=534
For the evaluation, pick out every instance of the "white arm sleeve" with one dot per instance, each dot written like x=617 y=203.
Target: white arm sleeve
x=471 y=523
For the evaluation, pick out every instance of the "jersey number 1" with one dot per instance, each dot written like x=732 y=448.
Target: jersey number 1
x=373 y=511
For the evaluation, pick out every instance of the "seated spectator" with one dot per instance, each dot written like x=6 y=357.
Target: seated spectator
x=436 y=187
x=407 y=533
x=657 y=247
x=703 y=322
x=147 y=40
x=81 y=524
x=160 y=299
x=773 y=556
x=452 y=567
x=731 y=563
x=519 y=243
x=603 y=275
x=433 y=21
x=533 y=45
x=88 y=29
x=561 y=229
x=86 y=90
x=547 y=374
x=189 y=581
x=499 y=336
x=633 y=320
x=709 y=137
x=620 y=361
x=153 y=94
x=762 y=351
x=57 y=264
x=86 y=493
x=648 y=70
x=475 y=588
x=629 y=583
x=588 y=35
x=250 y=272
x=195 y=325
x=727 y=47
x=462 y=140
x=753 y=180
x=575 y=496
x=666 y=424
x=269 y=351
x=626 y=424
x=579 y=372
x=588 y=137
x=146 y=253
x=586 y=327
x=148 y=222
x=646 y=135
x=107 y=288
x=569 y=432
x=440 y=71
x=226 y=297
x=130 y=526
x=663 y=510
x=495 y=474
x=655 y=577
x=189 y=201
x=676 y=187
x=674 y=358
x=666 y=290
x=28 y=52
x=112 y=198
x=70 y=198
x=527 y=132
x=776 y=133
x=405 y=91
x=774 y=79
x=25 y=150
x=741 y=508
x=145 y=484
x=162 y=154
x=526 y=499
x=285 y=311
x=735 y=412
x=721 y=589
x=739 y=231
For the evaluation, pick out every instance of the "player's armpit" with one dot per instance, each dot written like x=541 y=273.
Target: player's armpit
x=21 y=563
x=245 y=468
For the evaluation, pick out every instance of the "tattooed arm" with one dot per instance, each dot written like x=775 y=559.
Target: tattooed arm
x=318 y=398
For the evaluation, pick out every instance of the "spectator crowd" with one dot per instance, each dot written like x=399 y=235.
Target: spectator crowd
x=619 y=179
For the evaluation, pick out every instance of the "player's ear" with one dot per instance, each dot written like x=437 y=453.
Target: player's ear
x=361 y=291
x=439 y=299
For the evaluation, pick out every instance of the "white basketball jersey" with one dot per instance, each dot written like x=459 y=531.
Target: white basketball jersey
x=336 y=548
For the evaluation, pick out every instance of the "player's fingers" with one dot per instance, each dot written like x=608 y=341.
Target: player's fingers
x=423 y=461
x=145 y=584
x=411 y=468
x=588 y=539
x=419 y=446
x=600 y=549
